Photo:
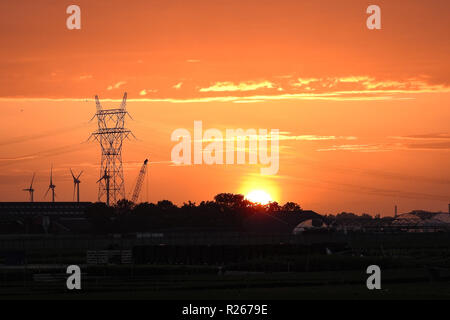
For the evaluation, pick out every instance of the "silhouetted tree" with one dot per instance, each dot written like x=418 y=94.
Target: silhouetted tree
x=166 y=205
x=123 y=206
x=273 y=207
x=189 y=205
x=229 y=200
x=291 y=207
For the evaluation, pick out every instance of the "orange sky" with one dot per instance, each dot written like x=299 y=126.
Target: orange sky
x=364 y=114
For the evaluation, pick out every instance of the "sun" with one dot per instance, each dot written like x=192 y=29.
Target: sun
x=259 y=196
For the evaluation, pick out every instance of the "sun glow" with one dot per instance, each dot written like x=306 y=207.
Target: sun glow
x=259 y=196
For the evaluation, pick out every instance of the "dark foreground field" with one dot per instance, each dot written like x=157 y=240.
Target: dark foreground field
x=413 y=266
x=396 y=284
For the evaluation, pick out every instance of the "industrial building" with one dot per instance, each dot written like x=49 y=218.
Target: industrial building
x=43 y=217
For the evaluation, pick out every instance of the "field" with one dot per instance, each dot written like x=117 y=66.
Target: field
x=396 y=284
x=412 y=267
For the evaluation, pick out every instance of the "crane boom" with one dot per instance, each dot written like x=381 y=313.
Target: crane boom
x=139 y=182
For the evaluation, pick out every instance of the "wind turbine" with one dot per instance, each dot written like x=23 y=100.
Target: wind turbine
x=106 y=178
x=51 y=185
x=30 y=189
x=76 y=184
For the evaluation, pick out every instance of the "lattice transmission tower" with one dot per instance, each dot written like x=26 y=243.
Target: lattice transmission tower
x=110 y=134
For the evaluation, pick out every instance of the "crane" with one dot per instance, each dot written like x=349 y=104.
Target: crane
x=139 y=181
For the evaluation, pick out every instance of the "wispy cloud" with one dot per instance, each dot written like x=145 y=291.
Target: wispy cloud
x=117 y=85
x=144 y=92
x=357 y=148
x=284 y=136
x=241 y=86
x=365 y=85
x=178 y=85
x=86 y=76
x=346 y=88
x=424 y=137
x=428 y=142
x=316 y=137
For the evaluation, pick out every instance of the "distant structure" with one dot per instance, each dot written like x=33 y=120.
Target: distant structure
x=30 y=190
x=139 y=181
x=105 y=179
x=110 y=134
x=51 y=186
x=395 y=212
x=76 y=185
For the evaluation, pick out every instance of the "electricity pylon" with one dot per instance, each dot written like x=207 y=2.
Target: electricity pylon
x=110 y=134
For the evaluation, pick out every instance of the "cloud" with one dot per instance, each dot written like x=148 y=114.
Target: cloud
x=368 y=85
x=424 y=137
x=430 y=146
x=178 y=85
x=357 y=148
x=285 y=136
x=315 y=137
x=255 y=98
x=86 y=76
x=354 y=79
x=144 y=92
x=192 y=61
x=242 y=86
x=302 y=82
x=349 y=88
x=428 y=143
x=117 y=85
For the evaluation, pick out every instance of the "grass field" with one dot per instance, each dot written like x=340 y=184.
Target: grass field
x=396 y=284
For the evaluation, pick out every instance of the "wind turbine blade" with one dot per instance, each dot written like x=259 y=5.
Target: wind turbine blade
x=45 y=195
x=51 y=174
x=80 y=174
x=32 y=179
x=73 y=195
x=72 y=174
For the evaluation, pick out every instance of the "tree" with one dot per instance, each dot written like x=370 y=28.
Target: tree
x=124 y=206
x=291 y=207
x=230 y=200
x=189 y=205
x=166 y=205
x=273 y=207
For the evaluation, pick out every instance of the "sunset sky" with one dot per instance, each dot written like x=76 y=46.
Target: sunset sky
x=364 y=114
